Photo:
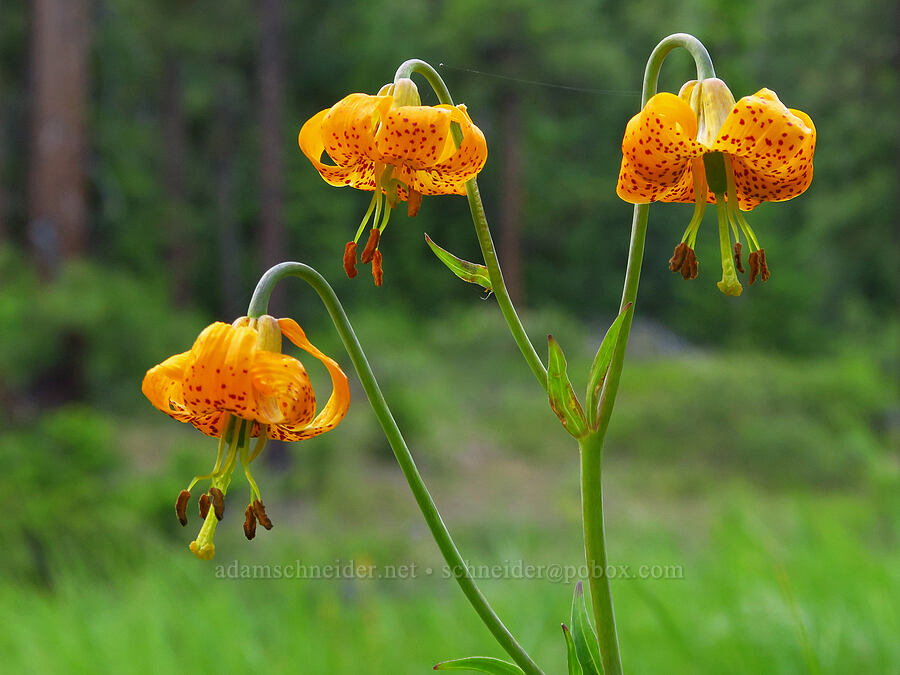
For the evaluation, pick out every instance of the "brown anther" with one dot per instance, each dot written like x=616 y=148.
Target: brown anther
x=249 y=522
x=218 y=502
x=350 y=259
x=691 y=267
x=737 y=257
x=754 y=266
x=684 y=260
x=204 y=505
x=413 y=202
x=677 y=259
x=371 y=246
x=377 y=271
x=259 y=509
x=763 y=267
x=181 y=506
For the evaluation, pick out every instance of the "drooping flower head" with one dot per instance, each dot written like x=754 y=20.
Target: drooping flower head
x=235 y=384
x=396 y=147
x=702 y=147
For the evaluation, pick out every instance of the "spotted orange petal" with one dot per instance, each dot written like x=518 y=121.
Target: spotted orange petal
x=212 y=424
x=282 y=389
x=353 y=164
x=218 y=378
x=657 y=151
x=348 y=127
x=450 y=175
x=338 y=402
x=771 y=148
x=162 y=385
x=416 y=136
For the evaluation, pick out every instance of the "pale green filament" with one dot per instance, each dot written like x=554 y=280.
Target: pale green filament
x=735 y=210
x=378 y=207
x=732 y=220
x=690 y=234
x=700 y=189
x=245 y=462
x=223 y=479
x=218 y=470
x=260 y=441
x=384 y=221
x=729 y=284
x=745 y=226
x=376 y=199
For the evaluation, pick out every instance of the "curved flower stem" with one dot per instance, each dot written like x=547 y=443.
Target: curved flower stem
x=485 y=241
x=641 y=212
x=439 y=531
x=592 y=446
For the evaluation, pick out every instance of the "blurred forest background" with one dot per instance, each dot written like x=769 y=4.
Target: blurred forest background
x=149 y=173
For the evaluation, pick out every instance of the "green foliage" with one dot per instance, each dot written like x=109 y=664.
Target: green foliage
x=832 y=251
x=100 y=327
x=480 y=664
x=563 y=400
x=571 y=653
x=470 y=272
x=584 y=637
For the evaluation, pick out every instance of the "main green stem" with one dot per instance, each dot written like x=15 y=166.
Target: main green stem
x=258 y=305
x=485 y=241
x=592 y=446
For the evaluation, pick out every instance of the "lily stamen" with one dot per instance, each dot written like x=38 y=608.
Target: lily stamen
x=245 y=462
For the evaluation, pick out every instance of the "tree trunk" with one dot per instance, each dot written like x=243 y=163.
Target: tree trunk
x=511 y=189
x=178 y=248
x=272 y=139
x=226 y=128
x=60 y=33
x=273 y=239
x=4 y=234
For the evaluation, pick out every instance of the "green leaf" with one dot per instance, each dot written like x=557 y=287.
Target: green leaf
x=474 y=274
x=562 y=397
x=586 y=646
x=601 y=362
x=481 y=664
x=571 y=655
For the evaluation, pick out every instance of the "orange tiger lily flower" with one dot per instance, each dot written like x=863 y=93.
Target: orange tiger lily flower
x=235 y=384
x=396 y=147
x=702 y=147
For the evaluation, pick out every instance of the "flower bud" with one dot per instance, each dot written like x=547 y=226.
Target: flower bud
x=711 y=101
x=405 y=92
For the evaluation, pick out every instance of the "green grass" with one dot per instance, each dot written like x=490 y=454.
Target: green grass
x=756 y=573
x=768 y=483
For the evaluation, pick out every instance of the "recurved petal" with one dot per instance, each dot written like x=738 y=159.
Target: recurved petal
x=283 y=390
x=683 y=191
x=451 y=174
x=771 y=146
x=415 y=136
x=338 y=402
x=211 y=424
x=358 y=172
x=218 y=377
x=657 y=150
x=348 y=127
x=162 y=385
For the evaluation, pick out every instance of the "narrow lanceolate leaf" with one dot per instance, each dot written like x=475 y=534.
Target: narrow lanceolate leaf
x=601 y=362
x=571 y=655
x=562 y=397
x=586 y=645
x=481 y=664
x=474 y=274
